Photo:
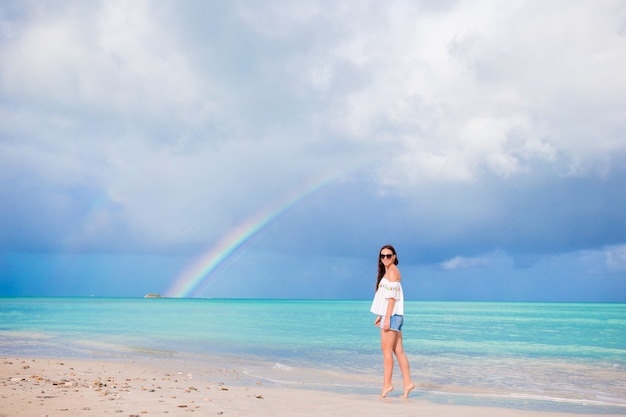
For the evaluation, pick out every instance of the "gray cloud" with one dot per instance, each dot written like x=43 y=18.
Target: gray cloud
x=457 y=130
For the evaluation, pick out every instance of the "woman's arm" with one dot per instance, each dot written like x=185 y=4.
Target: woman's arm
x=391 y=302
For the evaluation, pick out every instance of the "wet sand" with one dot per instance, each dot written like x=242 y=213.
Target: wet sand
x=37 y=387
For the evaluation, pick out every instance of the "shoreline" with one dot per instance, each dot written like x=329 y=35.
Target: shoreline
x=134 y=386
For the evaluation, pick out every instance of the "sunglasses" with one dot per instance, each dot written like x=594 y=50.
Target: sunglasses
x=386 y=255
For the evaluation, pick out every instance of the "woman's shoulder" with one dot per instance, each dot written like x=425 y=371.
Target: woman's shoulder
x=393 y=275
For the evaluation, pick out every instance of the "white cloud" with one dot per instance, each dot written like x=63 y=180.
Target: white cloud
x=482 y=86
x=189 y=124
x=461 y=262
x=111 y=63
x=615 y=258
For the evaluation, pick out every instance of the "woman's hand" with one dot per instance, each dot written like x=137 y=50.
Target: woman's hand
x=377 y=321
x=386 y=324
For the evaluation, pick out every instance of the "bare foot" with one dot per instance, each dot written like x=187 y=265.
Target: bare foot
x=408 y=389
x=386 y=390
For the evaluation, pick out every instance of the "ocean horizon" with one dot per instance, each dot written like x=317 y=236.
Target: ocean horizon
x=561 y=356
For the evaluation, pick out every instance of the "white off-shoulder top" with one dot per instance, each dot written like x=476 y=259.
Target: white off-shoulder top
x=386 y=290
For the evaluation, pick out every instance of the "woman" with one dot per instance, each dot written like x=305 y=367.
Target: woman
x=388 y=304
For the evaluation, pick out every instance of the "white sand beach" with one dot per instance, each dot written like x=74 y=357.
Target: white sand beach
x=37 y=387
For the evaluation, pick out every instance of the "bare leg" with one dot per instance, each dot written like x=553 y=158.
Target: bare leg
x=403 y=362
x=387 y=341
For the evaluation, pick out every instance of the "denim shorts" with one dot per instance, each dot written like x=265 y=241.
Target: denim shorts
x=395 y=323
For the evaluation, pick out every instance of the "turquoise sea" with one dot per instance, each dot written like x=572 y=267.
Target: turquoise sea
x=551 y=356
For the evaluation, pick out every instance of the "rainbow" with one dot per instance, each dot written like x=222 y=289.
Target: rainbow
x=186 y=284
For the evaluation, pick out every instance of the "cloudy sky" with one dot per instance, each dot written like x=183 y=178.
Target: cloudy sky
x=279 y=144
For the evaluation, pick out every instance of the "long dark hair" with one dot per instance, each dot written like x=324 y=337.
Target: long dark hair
x=381 y=266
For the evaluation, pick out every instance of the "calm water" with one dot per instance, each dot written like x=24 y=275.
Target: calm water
x=573 y=355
